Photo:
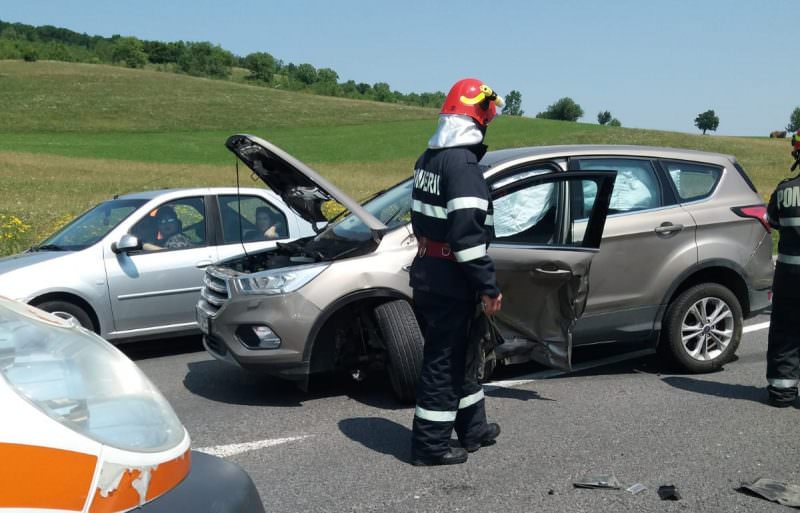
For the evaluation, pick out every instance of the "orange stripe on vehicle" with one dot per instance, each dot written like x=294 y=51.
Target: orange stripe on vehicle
x=163 y=478
x=169 y=474
x=44 y=477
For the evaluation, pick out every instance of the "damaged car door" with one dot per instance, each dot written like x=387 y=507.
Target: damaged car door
x=548 y=226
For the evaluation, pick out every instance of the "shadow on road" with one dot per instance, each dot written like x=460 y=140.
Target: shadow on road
x=225 y=383
x=698 y=386
x=379 y=435
x=520 y=394
x=144 y=349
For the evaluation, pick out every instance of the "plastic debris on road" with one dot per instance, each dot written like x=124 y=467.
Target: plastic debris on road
x=598 y=481
x=776 y=491
x=636 y=488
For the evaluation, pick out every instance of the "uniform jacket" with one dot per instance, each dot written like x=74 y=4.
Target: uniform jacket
x=451 y=203
x=783 y=213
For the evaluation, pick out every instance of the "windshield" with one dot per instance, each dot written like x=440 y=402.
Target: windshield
x=82 y=381
x=392 y=208
x=92 y=226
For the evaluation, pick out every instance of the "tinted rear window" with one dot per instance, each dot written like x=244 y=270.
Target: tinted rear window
x=693 y=181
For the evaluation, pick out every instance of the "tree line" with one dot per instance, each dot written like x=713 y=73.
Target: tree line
x=31 y=43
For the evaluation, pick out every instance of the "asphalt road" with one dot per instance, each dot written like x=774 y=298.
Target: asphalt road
x=344 y=446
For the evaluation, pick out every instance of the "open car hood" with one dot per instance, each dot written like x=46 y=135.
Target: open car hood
x=302 y=188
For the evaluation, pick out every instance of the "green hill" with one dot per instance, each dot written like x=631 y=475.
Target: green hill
x=74 y=134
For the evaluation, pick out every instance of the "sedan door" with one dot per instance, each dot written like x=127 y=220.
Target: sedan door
x=154 y=290
x=548 y=228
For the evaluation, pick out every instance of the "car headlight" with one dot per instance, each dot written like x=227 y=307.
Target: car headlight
x=278 y=281
x=83 y=382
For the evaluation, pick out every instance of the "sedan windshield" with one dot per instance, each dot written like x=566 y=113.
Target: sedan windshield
x=392 y=208
x=90 y=227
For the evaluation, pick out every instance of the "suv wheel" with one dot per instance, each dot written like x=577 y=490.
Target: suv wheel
x=703 y=327
x=403 y=341
x=69 y=311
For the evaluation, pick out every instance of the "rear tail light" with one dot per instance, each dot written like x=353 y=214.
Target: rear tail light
x=758 y=212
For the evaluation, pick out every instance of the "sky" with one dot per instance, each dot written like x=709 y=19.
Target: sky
x=651 y=64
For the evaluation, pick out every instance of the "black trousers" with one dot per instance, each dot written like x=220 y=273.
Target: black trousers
x=783 y=349
x=448 y=393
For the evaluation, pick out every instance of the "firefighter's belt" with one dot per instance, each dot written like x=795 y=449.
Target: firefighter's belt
x=434 y=249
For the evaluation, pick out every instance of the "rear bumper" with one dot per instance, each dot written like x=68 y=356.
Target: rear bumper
x=212 y=486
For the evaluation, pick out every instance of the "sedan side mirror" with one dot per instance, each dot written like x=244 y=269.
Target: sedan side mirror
x=126 y=244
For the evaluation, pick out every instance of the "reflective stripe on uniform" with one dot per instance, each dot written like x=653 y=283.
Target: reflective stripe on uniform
x=429 y=210
x=471 y=399
x=782 y=383
x=467 y=202
x=789 y=221
x=489 y=221
x=789 y=259
x=435 y=416
x=465 y=255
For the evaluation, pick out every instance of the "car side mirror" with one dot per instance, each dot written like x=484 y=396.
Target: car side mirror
x=126 y=244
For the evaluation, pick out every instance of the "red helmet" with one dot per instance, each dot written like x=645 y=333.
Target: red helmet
x=471 y=97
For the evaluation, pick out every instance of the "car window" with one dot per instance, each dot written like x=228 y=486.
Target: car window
x=93 y=225
x=251 y=218
x=693 y=181
x=533 y=214
x=636 y=187
x=526 y=215
x=177 y=224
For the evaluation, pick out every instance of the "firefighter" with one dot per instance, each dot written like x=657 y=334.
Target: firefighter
x=783 y=348
x=451 y=274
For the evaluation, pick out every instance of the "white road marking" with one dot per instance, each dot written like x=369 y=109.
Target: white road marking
x=552 y=373
x=223 y=451
x=755 y=327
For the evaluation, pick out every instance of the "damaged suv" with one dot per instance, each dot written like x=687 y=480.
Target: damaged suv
x=686 y=256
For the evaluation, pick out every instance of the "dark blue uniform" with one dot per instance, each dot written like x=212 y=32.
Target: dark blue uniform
x=452 y=213
x=783 y=351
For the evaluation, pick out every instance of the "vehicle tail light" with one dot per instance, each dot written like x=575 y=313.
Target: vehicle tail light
x=758 y=212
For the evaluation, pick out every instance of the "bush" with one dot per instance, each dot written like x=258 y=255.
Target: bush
x=564 y=109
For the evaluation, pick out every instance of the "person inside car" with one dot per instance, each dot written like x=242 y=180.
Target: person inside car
x=169 y=232
x=266 y=227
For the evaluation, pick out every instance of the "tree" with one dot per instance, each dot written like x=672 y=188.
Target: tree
x=130 y=51
x=261 y=66
x=603 y=117
x=707 y=121
x=564 y=109
x=205 y=59
x=513 y=104
x=614 y=122
x=305 y=73
x=794 y=121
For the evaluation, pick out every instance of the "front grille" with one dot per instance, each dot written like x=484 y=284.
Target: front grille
x=214 y=293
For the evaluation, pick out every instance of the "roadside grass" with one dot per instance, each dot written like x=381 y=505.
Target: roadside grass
x=45 y=191
x=49 y=96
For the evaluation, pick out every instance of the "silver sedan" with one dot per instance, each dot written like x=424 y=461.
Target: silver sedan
x=132 y=267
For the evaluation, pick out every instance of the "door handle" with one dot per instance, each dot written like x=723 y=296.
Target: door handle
x=553 y=272
x=668 y=228
x=203 y=263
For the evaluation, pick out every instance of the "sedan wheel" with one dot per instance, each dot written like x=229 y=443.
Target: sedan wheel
x=703 y=327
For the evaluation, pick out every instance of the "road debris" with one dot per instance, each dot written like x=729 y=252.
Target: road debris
x=668 y=493
x=598 y=481
x=636 y=488
x=776 y=491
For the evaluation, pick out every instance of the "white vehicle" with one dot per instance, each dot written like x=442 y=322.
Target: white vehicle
x=83 y=429
x=115 y=270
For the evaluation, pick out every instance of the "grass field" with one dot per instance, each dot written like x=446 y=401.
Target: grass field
x=74 y=134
